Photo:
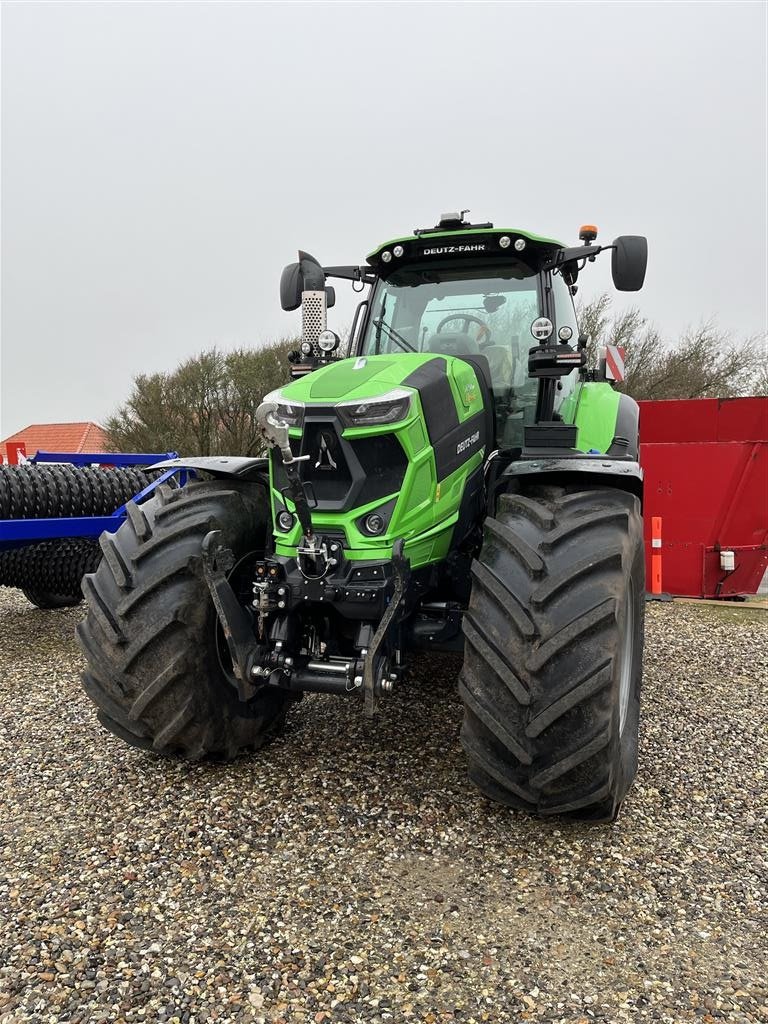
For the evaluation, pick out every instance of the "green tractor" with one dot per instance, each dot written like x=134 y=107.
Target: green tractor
x=460 y=482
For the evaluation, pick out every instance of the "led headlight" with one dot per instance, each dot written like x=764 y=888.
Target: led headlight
x=398 y=251
x=327 y=341
x=306 y=348
x=288 y=411
x=541 y=328
x=371 y=412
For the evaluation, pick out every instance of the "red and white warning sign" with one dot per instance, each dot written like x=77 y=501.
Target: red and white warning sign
x=17 y=452
x=614 y=362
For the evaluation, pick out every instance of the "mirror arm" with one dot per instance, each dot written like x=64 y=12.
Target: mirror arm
x=363 y=274
x=579 y=252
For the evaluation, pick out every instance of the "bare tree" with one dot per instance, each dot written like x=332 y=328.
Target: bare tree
x=760 y=380
x=705 y=362
x=205 y=406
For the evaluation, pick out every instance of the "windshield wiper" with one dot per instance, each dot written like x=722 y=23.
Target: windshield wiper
x=391 y=332
x=392 y=335
x=379 y=323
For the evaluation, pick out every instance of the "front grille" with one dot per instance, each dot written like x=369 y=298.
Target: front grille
x=342 y=474
x=383 y=463
x=327 y=467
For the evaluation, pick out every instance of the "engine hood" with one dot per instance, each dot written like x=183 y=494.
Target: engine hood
x=364 y=377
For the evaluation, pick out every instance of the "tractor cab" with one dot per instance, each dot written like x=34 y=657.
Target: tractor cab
x=481 y=311
x=499 y=298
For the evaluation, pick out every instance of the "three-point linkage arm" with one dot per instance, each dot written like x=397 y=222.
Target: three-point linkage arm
x=275 y=433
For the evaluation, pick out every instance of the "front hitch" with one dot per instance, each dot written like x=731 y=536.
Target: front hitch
x=275 y=433
x=372 y=686
x=235 y=622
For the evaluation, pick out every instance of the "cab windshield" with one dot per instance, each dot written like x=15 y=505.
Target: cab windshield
x=483 y=311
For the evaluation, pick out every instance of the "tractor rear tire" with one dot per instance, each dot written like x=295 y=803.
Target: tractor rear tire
x=553 y=653
x=157 y=664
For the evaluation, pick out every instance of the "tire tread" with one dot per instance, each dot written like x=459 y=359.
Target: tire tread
x=540 y=724
x=153 y=668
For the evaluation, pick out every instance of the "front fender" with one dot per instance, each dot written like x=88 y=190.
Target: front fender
x=591 y=469
x=235 y=466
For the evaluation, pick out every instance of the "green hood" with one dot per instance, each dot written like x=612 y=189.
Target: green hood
x=360 y=377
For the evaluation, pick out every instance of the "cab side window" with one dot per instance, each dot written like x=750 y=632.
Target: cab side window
x=565 y=314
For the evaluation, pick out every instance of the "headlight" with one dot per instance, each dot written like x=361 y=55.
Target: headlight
x=289 y=412
x=374 y=524
x=371 y=412
x=541 y=328
x=327 y=341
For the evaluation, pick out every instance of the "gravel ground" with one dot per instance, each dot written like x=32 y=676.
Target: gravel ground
x=349 y=873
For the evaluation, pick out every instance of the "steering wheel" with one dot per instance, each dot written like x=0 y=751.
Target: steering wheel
x=468 y=319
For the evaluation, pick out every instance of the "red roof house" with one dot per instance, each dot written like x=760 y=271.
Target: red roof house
x=57 y=437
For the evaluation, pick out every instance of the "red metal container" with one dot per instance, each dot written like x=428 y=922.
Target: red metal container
x=706 y=476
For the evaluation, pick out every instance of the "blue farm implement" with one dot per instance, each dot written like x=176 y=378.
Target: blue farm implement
x=53 y=510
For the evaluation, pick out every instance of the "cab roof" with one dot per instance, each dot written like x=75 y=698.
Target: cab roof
x=468 y=242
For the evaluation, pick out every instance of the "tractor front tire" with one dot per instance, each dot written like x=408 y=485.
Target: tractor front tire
x=553 y=652
x=157 y=665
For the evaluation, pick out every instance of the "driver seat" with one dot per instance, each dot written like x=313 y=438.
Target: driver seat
x=453 y=343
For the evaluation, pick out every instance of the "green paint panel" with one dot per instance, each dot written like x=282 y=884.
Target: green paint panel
x=327 y=384
x=595 y=416
x=466 y=390
x=355 y=378
x=567 y=410
x=417 y=435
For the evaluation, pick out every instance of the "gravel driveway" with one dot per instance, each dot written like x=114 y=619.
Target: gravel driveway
x=349 y=873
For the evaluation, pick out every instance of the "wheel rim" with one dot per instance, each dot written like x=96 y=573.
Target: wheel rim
x=627 y=658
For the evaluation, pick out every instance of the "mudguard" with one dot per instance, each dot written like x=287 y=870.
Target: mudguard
x=236 y=466
x=626 y=438
x=593 y=469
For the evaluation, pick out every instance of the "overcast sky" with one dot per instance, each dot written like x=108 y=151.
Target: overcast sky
x=161 y=162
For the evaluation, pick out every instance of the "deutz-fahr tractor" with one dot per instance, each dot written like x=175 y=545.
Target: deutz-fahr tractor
x=460 y=481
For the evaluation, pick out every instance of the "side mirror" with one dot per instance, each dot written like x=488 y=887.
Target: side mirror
x=629 y=258
x=330 y=296
x=305 y=276
x=290 y=287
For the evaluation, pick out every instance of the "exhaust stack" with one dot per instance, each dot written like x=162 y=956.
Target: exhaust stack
x=314 y=300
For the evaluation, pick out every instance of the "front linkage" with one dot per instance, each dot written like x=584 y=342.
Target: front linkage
x=271 y=655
